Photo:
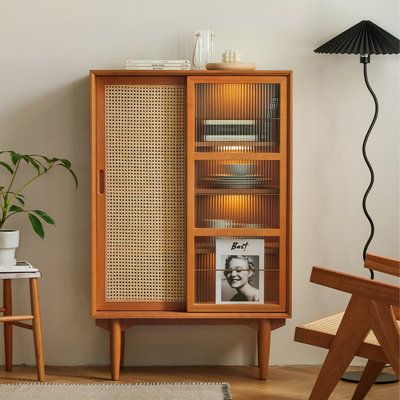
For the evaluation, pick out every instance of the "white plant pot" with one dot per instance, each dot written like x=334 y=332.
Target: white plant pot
x=9 y=241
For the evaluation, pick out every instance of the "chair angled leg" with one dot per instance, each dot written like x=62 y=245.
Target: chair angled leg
x=37 y=329
x=350 y=335
x=386 y=330
x=8 y=328
x=368 y=378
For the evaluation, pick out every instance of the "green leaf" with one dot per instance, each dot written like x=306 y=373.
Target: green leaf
x=38 y=161
x=20 y=200
x=36 y=225
x=44 y=216
x=74 y=176
x=16 y=208
x=47 y=159
x=7 y=167
x=15 y=158
x=66 y=163
x=33 y=162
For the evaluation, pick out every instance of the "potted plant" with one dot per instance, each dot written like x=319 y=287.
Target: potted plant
x=12 y=199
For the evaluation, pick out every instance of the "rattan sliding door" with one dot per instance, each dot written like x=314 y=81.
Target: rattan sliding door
x=139 y=246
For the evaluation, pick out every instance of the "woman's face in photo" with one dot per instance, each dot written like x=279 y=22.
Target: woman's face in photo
x=238 y=273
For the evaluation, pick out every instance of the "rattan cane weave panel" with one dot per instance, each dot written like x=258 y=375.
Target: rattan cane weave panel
x=331 y=324
x=145 y=193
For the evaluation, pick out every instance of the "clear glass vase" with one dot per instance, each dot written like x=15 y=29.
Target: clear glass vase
x=203 y=48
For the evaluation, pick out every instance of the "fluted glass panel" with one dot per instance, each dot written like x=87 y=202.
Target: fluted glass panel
x=237 y=117
x=237 y=194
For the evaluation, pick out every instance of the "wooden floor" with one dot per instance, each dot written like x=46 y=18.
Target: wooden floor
x=291 y=382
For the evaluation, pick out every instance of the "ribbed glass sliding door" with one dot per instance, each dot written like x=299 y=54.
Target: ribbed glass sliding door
x=237 y=192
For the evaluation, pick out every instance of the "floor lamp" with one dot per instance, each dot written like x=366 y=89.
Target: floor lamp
x=365 y=39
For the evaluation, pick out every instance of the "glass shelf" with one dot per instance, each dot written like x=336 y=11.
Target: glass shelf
x=238 y=174
x=247 y=211
x=237 y=194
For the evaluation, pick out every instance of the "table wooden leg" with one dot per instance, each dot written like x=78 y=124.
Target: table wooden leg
x=8 y=328
x=115 y=348
x=264 y=338
x=37 y=329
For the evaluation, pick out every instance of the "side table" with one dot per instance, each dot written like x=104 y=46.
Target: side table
x=11 y=320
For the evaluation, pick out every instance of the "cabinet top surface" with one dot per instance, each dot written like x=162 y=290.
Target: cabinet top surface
x=188 y=73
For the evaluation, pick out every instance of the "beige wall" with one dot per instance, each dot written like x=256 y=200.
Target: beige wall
x=47 y=48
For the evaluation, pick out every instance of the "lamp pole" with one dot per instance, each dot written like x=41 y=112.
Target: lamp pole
x=365 y=59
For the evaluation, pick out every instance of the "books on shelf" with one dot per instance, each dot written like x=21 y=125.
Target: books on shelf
x=158 y=64
x=228 y=122
x=247 y=130
x=135 y=61
x=216 y=130
x=159 y=68
x=229 y=138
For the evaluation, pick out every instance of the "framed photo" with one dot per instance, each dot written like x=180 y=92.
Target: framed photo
x=240 y=271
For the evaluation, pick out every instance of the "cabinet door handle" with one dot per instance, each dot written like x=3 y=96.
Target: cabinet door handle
x=101 y=181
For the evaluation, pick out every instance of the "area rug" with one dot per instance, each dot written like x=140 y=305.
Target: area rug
x=139 y=391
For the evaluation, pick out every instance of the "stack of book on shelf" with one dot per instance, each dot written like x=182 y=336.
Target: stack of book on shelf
x=229 y=129
x=160 y=65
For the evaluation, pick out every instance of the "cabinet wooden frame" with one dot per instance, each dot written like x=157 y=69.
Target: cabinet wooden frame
x=119 y=316
x=98 y=80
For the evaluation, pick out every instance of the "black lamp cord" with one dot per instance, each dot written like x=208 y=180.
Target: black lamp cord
x=364 y=202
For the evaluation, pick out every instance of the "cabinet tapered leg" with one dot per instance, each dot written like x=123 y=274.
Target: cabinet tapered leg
x=8 y=331
x=37 y=328
x=264 y=338
x=122 y=349
x=115 y=348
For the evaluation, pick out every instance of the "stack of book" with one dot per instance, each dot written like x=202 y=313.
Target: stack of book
x=158 y=64
x=229 y=130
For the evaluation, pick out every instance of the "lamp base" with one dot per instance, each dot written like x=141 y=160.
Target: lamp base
x=383 y=377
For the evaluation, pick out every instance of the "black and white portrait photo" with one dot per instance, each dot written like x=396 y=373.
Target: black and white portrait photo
x=240 y=271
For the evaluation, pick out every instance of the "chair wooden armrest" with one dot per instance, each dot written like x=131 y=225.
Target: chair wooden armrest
x=387 y=266
x=382 y=264
x=379 y=291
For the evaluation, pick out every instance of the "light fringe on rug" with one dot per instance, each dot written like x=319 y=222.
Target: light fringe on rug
x=138 y=391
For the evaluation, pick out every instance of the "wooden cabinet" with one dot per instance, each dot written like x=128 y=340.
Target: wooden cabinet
x=182 y=162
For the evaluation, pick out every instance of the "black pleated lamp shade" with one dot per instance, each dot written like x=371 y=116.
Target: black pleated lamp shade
x=362 y=38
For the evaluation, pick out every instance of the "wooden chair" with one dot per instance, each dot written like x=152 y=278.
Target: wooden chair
x=368 y=328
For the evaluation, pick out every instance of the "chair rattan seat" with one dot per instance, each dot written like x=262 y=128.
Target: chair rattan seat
x=329 y=325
